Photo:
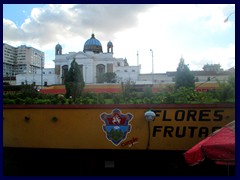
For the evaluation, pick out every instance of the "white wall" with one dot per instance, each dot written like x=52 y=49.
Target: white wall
x=30 y=78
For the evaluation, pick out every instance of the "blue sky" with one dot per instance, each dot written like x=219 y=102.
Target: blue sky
x=18 y=12
x=195 y=32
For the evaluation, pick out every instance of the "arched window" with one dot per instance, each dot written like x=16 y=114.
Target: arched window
x=100 y=70
x=64 y=73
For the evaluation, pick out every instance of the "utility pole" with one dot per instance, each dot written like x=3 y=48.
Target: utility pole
x=152 y=66
x=137 y=59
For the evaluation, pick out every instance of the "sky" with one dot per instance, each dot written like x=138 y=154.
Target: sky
x=196 y=32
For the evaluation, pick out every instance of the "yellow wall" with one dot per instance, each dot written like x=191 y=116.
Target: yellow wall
x=80 y=126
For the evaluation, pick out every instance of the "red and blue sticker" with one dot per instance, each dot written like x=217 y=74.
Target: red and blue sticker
x=116 y=125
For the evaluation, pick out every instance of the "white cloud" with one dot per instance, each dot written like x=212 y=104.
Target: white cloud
x=170 y=30
x=9 y=24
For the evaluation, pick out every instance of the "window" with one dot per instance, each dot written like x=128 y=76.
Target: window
x=100 y=70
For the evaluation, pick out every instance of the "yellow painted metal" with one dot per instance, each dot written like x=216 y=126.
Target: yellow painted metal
x=174 y=128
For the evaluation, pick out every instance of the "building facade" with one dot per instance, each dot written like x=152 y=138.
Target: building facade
x=200 y=76
x=94 y=63
x=9 y=60
x=42 y=77
x=21 y=60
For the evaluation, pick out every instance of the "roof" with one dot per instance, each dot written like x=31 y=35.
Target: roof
x=96 y=89
x=202 y=73
x=93 y=45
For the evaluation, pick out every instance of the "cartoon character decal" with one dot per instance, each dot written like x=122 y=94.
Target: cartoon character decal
x=116 y=125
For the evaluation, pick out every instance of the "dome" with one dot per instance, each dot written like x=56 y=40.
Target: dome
x=93 y=45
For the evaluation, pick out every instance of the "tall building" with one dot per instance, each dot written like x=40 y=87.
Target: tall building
x=9 y=60
x=21 y=60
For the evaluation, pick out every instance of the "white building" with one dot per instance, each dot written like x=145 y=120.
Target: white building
x=44 y=78
x=94 y=62
x=21 y=60
x=9 y=59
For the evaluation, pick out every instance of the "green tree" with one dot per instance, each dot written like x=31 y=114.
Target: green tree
x=226 y=90
x=74 y=82
x=128 y=90
x=108 y=77
x=184 y=77
x=28 y=91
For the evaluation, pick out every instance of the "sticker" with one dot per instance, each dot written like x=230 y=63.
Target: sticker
x=116 y=125
x=130 y=143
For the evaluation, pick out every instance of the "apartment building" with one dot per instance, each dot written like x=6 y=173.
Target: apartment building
x=9 y=59
x=21 y=60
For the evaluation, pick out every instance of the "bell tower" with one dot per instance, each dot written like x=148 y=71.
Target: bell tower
x=110 y=47
x=58 y=49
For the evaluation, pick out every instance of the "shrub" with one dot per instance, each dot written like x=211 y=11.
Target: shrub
x=29 y=100
x=19 y=101
x=9 y=101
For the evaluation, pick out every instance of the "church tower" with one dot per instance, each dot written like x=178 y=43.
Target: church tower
x=58 y=49
x=110 y=47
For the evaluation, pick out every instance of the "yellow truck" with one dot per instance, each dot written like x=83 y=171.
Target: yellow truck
x=106 y=139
